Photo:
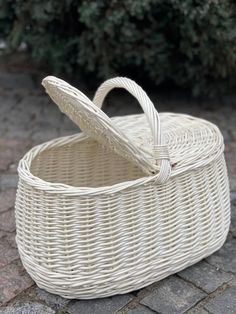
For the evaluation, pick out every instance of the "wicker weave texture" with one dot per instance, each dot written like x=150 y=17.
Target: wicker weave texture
x=91 y=223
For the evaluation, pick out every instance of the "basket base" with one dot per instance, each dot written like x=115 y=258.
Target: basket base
x=78 y=290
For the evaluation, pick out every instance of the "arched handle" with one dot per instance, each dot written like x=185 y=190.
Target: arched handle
x=160 y=150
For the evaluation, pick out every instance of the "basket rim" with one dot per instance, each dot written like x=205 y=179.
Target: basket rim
x=52 y=187
x=60 y=188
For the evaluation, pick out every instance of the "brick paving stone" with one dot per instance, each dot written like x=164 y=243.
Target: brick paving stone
x=97 y=306
x=230 y=153
x=7 y=221
x=226 y=135
x=140 y=310
x=8 y=181
x=44 y=135
x=224 y=303
x=67 y=124
x=7 y=253
x=23 y=118
x=2 y=234
x=225 y=258
x=39 y=114
x=13 y=168
x=13 y=280
x=27 y=308
x=50 y=114
x=68 y=132
x=233 y=216
x=54 y=301
x=205 y=276
x=67 y=127
x=232 y=195
x=173 y=295
x=11 y=238
x=233 y=134
x=11 y=150
x=16 y=80
x=13 y=131
x=232 y=183
x=197 y=311
x=7 y=199
x=8 y=101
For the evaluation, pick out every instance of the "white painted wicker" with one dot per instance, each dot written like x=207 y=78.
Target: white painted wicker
x=126 y=203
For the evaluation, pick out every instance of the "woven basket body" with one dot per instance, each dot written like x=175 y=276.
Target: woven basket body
x=91 y=222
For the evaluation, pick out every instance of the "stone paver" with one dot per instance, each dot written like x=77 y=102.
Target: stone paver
x=7 y=199
x=8 y=253
x=140 y=310
x=224 y=303
x=99 y=306
x=7 y=221
x=233 y=215
x=27 y=308
x=205 y=276
x=8 y=181
x=232 y=181
x=50 y=299
x=198 y=311
x=13 y=280
x=29 y=117
x=173 y=295
x=225 y=258
x=18 y=80
x=11 y=150
x=11 y=238
x=230 y=153
x=230 y=150
x=2 y=234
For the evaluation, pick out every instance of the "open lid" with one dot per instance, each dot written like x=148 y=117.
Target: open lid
x=95 y=123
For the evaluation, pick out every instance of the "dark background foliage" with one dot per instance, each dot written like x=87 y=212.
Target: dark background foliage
x=184 y=43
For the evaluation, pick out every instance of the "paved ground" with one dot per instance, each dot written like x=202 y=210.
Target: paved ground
x=28 y=117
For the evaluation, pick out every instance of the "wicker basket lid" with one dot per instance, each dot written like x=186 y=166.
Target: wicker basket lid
x=95 y=123
x=191 y=141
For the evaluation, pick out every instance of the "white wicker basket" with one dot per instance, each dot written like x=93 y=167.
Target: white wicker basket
x=127 y=202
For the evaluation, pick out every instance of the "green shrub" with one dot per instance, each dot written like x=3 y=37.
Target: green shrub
x=188 y=42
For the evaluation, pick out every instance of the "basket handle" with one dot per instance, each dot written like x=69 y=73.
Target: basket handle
x=161 y=153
